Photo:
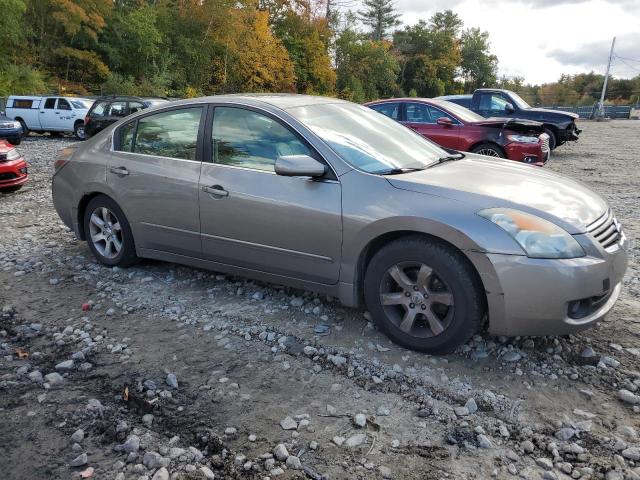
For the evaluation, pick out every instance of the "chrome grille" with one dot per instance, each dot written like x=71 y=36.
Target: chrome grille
x=606 y=230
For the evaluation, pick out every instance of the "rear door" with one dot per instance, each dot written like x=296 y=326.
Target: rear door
x=423 y=119
x=253 y=218
x=154 y=172
x=48 y=113
x=65 y=115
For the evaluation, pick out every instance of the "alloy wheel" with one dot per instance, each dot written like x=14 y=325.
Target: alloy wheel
x=489 y=152
x=416 y=299
x=106 y=232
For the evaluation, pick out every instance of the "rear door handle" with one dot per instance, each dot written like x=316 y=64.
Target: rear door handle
x=119 y=171
x=216 y=191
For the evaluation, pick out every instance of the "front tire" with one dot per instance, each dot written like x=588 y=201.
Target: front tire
x=489 y=150
x=553 y=140
x=15 y=140
x=424 y=295
x=10 y=189
x=108 y=233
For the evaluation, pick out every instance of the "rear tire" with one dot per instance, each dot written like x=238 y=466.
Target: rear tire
x=78 y=131
x=10 y=189
x=438 y=302
x=108 y=233
x=489 y=150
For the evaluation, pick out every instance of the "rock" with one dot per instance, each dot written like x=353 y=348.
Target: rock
x=360 y=420
x=36 y=376
x=208 y=474
x=229 y=431
x=293 y=463
x=565 y=434
x=338 y=440
x=161 y=474
x=310 y=351
x=337 y=360
x=280 y=452
x=461 y=411
x=484 y=441
x=147 y=420
x=628 y=397
x=471 y=406
x=53 y=378
x=172 y=381
x=131 y=445
x=289 y=424
x=588 y=353
x=79 y=461
x=385 y=472
x=383 y=411
x=77 y=436
x=632 y=453
x=355 y=440
x=153 y=460
x=545 y=463
x=527 y=446
x=511 y=356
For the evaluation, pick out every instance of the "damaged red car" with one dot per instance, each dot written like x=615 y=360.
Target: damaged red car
x=13 y=168
x=458 y=128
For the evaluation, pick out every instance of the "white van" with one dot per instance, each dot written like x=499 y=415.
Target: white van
x=49 y=114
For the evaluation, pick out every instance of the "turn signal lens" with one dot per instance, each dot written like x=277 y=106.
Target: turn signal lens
x=63 y=158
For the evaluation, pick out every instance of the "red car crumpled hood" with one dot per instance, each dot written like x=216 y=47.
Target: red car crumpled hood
x=516 y=125
x=489 y=183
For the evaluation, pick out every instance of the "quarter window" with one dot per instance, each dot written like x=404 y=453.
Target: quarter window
x=22 y=103
x=172 y=134
x=391 y=110
x=98 y=109
x=63 y=104
x=244 y=138
x=135 y=107
x=126 y=137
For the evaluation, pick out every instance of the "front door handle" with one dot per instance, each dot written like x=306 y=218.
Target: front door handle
x=216 y=191
x=119 y=171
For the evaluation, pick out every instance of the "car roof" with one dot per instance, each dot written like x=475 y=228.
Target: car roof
x=440 y=101
x=283 y=101
x=453 y=97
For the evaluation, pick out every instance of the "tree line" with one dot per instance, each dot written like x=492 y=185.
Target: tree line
x=186 y=48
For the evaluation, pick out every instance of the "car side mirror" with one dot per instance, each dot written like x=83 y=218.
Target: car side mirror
x=509 y=108
x=444 y=121
x=299 y=166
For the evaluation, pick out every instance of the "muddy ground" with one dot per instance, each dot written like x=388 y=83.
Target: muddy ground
x=161 y=371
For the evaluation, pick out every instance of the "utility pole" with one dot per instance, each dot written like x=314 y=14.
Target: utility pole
x=606 y=80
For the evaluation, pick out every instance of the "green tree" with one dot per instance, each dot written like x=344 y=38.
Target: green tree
x=479 y=67
x=380 y=16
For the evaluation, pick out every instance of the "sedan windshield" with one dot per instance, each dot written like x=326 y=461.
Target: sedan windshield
x=367 y=140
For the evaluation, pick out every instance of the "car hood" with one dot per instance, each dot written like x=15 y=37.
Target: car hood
x=488 y=183
x=575 y=116
x=515 y=125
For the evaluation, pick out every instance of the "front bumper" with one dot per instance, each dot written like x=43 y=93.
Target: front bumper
x=531 y=153
x=11 y=133
x=13 y=173
x=538 y=296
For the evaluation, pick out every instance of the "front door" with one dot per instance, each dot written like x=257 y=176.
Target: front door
x=255 y=219
x=423 y=119
x=154 y=172
x=49 y=114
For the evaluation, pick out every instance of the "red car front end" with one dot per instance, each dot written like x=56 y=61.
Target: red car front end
x=534 y=152
x=13 y=168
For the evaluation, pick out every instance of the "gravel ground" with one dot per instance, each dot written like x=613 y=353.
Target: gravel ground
x=162 y=371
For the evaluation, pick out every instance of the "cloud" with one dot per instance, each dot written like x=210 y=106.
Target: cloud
x=594 y=55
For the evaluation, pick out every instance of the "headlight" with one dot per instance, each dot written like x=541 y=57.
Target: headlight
x=13 y=154
x=17 y=125
x=537 y=237
x=522 y=138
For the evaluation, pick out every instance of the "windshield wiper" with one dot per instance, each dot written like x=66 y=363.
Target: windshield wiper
x=449 y=158
x=397 y=171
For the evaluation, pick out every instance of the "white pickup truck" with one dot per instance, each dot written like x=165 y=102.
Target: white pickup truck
x=49 y=114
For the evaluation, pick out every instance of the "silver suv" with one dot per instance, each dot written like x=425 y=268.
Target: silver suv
x=330 y=196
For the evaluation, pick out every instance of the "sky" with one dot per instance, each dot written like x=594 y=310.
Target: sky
x=540 y=40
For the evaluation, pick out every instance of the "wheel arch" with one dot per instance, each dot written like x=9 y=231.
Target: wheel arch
x=467 y=252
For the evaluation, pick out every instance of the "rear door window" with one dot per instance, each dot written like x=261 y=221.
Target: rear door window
x=391 y=110
x=172 y=134
x=419 y=113
x=50 y=103
x=63 y=104
x=117 y=109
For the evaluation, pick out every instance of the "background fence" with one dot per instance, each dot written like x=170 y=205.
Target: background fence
x=588 y=111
